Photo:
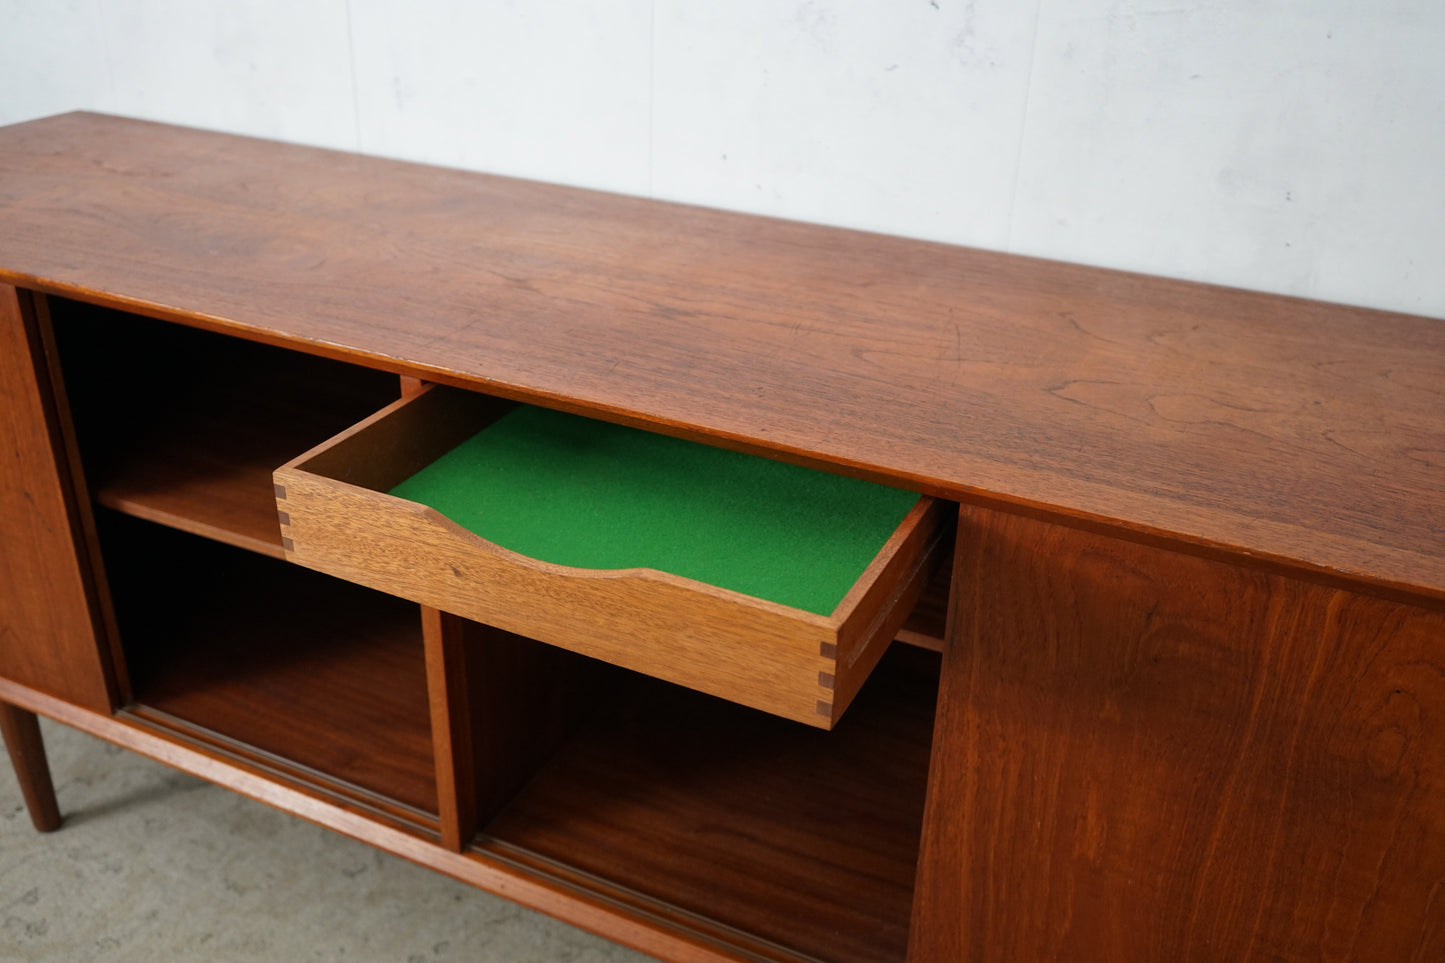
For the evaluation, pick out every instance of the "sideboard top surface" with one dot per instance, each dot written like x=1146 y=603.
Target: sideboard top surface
x=1279 y=428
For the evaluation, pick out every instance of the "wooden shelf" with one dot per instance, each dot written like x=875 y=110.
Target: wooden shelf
x=275 y=661
x=784 y=836
x=188 y=430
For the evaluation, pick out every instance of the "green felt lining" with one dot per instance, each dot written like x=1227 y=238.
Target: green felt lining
x=588 y=494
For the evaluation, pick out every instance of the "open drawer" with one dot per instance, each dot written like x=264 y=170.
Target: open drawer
x=342 y=512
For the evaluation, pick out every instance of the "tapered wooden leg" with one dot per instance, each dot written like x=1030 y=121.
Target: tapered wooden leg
x=21 y=731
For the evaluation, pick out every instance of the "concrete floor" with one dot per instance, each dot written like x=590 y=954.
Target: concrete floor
x=153 y=865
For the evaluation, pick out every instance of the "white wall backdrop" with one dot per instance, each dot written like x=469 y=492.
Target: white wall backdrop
x=1295 y=146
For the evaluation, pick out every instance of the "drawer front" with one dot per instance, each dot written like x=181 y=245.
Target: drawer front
x=337 y=518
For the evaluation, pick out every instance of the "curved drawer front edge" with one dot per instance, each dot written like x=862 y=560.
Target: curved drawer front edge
x=752 y=651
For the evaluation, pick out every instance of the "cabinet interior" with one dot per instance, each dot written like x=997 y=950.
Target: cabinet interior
x=317 y=679
x=694 y=806
x=183 y=427
x=776 y=839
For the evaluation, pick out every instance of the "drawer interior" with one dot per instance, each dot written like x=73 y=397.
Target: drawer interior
x=588 y=494
x=759 y=581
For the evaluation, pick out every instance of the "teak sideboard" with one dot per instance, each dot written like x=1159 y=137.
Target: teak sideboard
x=1169 y=678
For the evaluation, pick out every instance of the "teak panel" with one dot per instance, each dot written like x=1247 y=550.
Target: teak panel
x=1267 y=427
x=321 y=673
x=1147 y=756
x=49 y=638
x=802 y=839
x=501 y=705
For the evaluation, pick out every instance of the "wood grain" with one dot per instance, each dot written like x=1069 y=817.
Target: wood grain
x=797 y=664
x=927 y=624
x=50 y=637
x=449 y=699
x=665 y=938
x=184 y=427
x=693 y=635
x=501 y=705
x=883 y=599
x=1142 y=755
x=1192 y=702
x=81 y=505
x=389 y=446
x=1269 y=428
x=525 y=699
x=803 y=839
x=21 y=733
x=287 y=771
x=308 y=668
